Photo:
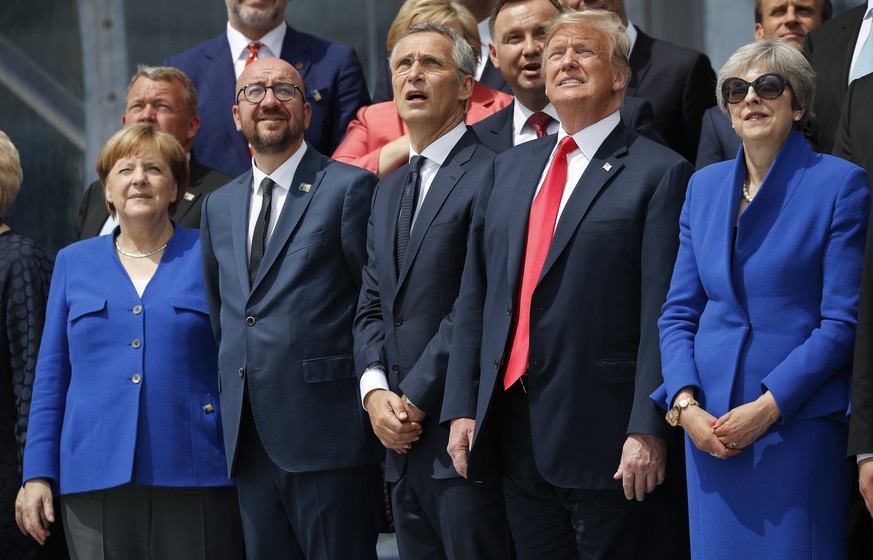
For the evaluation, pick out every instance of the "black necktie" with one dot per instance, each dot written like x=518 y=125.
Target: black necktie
x=259 y=238
x=407 y=207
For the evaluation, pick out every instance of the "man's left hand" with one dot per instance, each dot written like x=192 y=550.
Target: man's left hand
x=642 y=466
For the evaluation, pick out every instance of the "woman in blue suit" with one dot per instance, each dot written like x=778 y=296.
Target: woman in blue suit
x=759 y=323
x=125 y=421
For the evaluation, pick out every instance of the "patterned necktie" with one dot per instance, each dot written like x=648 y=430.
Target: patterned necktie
x=540 y=122
x=864 y=64
x=259 y=237
x=540 y=230
x=253 y=52
x=407 y=207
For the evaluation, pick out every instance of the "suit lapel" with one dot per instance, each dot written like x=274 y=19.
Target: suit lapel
x=502 y=128
x=719 y=236
x=219 y=88
x=640 y=62
x=309 y=171
x=294 y=50
x=239 y=223
x=532 y=164
x=193 y=193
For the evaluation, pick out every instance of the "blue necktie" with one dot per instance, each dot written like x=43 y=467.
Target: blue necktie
x=864 y=64
x=407 y=207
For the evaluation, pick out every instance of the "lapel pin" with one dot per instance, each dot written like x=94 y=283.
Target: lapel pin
x=304 y=187
x=607 y=166
x=316 y=95
x=189 y=196
x=298 y=65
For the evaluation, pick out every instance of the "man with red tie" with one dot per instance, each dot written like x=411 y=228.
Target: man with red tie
x=555 y=342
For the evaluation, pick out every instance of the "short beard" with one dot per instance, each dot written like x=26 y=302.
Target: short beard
x=273 y=146
x=254 y=17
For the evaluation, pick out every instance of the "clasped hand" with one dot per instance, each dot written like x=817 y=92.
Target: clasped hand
x=396 y=425
x=740 y=427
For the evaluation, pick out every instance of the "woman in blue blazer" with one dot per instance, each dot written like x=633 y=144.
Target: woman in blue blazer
x=759 y=323
x=125 y=421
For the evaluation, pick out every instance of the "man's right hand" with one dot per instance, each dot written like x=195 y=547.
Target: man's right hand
x=460 y=443
x=865 y=481
x=390 y=420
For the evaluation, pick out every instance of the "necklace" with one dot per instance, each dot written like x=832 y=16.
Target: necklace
x=746 y=194
x=139 y=255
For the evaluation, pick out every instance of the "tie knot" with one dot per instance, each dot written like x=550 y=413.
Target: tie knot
x=539 y=121
x=415 y=164
x=253 y=48
x=567 y=145
x=267 y=187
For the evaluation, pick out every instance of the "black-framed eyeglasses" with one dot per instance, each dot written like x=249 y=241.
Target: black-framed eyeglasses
x=255 y=93
x=767 y=86
x=430 y=65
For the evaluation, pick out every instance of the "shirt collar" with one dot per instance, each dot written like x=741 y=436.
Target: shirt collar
x=632 y=34
x=590 y=138
x=520 y=114
x=271 y=43
x=438 y=151
x=283 y=175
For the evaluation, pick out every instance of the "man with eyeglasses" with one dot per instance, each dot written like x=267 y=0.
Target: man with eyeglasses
x=283 y=248
x=416 y=244
x=786 y=20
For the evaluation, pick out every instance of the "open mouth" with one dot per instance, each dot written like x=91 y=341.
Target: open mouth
x=531 y=68
x=415 y=94
x=754 y=116
x=570 y=81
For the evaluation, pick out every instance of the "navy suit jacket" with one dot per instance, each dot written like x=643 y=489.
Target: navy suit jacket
x=335 y=89
x=854 y=136
x=680 y=85
x=496 y=131
x=202 y=181
x=594 y=354
x=718 y=139
x=829 y=48
x=286 y=339
x=403 y=321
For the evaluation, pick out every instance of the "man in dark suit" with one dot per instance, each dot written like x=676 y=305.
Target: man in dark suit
x=283 y=249
x=486 y=72
x=416 y=242
x=854 y=136
x=336 y=87
x=786 y=20
x=832 y=50
x=167 y=99
x=517 y=28
x=678 y=82
x=555 y=342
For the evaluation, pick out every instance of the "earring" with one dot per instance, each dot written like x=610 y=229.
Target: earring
x=796 y=117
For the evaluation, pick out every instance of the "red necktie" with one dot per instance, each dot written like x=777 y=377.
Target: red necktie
x=253 y=52
x=540 y=123
x=540 y=230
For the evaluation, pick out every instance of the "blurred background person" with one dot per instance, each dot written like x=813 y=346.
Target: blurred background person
x=786 y=20
x=24 y=281
x=774 y=239
x=165 y=98
x=125 y=421
x=378 y=139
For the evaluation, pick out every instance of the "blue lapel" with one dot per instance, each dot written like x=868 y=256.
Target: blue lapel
x=219 y=88
x=294 y=51
x=239 y=223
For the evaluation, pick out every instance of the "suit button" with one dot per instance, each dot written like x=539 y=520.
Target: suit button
x=496 y=364
x=509 y=311
x=250 y=321
x=398 y=320
x=395 y=368
x=242 y=372
x=137 y=309
x=136 y=343
x=136 y=378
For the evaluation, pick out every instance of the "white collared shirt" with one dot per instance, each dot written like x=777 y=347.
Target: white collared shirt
x=271 y=46
x=632 y=34
x=522 y=131
x=588 y=141
x=484 y=38
x=282 y=176
x=863 y=33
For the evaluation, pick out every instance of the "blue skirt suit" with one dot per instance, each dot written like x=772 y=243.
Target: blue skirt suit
x=768 y=302
x=126 y=387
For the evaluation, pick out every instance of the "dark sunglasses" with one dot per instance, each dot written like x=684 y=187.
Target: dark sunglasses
x=767 y=86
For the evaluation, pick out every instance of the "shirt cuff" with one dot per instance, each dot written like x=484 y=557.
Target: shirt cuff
x=372 y=379
x=862 y=456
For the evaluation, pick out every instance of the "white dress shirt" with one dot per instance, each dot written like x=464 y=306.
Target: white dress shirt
x=522 y=131
x=484 y=38
x=864 y=32
x=271 y=45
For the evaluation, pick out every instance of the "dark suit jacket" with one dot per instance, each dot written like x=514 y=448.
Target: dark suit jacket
x=829 y=48
x=403 y=322
x=286 y=339
x=491 y=77
x=335 y=89
x=496 y=131
x=594 y=354
x=718 y=140
x=854 y=136
x=202 y=181
x=680 y=85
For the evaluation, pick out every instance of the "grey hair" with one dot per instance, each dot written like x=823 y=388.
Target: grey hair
x=11 y=174
x=169 y=74
x=462 y=52
x=772 y=55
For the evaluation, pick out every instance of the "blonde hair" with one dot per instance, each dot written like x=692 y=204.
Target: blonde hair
x=11 y=174
x=135 y=139
x=434 y=11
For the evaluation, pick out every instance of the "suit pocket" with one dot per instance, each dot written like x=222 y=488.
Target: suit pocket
x=606 y=226
x=332 y=368
x=191 y=303
x=446 y=228
x=307 y=241
x=618 y=371
x=86 y=307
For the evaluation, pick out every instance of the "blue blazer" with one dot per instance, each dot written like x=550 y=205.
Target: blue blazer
x=403 y=321
x=287 y=337
x=335 y=89
x=594 y=342
x=126 y=383
x=718 y=139
x=776 y=308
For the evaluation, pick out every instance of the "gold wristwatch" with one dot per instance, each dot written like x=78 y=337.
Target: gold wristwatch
x=673 y=413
